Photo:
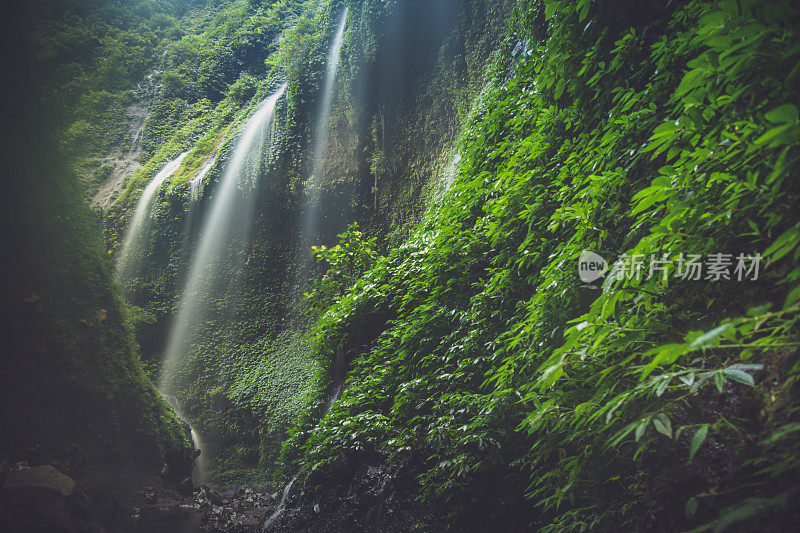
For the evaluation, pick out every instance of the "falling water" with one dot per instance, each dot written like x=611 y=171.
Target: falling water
x=199 y=467
x=138 y=231
x=320 y=140
x=223 y=238
x=312 y=214
x=281 y=505
x=195 y=192
x=451 y=171
x=197 y=182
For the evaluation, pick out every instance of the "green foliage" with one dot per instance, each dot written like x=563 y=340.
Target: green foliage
x=481 y=360
x=90 y=56
x=346 y=262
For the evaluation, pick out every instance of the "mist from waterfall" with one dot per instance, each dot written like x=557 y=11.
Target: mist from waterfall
x=131 y=257
x=223 y=239
x=320 y=139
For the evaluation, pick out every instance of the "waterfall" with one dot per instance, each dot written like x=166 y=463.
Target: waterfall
x=222 y=241
x=197 y=182
x=450 y=172
x=311 y=218
x=138 y=232
x=281 y=505
x=320 y=139
x=199 y=466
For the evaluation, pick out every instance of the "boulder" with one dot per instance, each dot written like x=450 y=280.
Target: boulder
x=43 y=499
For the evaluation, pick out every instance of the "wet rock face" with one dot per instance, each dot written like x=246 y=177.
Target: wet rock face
x=178 y=463
x=43 y=499
x=356 y=496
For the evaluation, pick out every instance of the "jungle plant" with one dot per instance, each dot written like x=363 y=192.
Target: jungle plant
x=346 y=262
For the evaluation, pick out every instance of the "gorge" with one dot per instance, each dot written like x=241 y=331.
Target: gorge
x=339 y=286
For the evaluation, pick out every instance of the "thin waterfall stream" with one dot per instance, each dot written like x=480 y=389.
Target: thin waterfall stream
x=130 y=258
x=320 y=139
x=222 y=240
x=311 y=219
x=195 y=186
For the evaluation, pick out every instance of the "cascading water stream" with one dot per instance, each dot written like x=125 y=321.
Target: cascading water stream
x=311 y=219
x=197 y=182
x=130 y=257
x=223 y=239
x=320 y=139
x=451 y=171
x=195 y=192
x=200 y=461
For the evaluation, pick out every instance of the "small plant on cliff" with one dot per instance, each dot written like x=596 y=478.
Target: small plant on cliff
x=347 y=261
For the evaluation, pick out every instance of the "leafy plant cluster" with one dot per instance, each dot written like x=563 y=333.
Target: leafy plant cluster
x=91 y=57
x=346 y=262
x=223 y=55
x=481 y=360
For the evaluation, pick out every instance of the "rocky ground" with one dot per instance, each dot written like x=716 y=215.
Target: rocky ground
x=237 y=510
x=43 y=499
x=357 y=496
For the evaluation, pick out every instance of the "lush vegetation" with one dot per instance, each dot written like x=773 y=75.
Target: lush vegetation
x=345 y=262
x=223 y=391
x=475 y=151
x=519 y=394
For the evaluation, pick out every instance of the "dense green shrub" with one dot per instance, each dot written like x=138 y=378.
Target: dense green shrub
x=480 y=358
x=345 y=262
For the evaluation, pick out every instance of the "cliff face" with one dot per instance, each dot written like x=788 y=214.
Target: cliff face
x=492 y=385
x=72 y=389
x=405 y=78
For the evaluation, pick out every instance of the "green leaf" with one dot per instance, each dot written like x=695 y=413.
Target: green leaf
x=758 y=310
x=662 y=386
x=663 y=424
x=778 y=168
x=783 y=244
x=782 y=115
x=551 y=375
x=691 y=507
x=751 y=507
x=706 y=338
x=691 y=80
x=719 y=380
x=739 y=375
x=792 y=298
x=782 y=432
x=665 y=354
x=698 y=440
x=559 y=90
x=776 y=136
x=640 y=429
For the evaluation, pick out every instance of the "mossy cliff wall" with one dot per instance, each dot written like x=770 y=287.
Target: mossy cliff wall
x=72 y=388
x=490 y=388
x=411 y=70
